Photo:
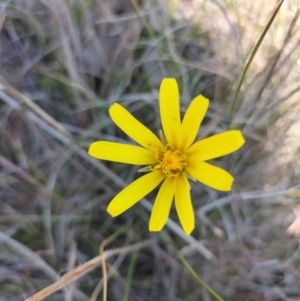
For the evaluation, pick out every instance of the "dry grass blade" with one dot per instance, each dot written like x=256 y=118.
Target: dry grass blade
x=24 y=251
x=32 y=106
x=84 y=269
x=18 y=171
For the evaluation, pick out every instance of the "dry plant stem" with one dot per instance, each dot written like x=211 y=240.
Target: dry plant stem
x=84 y=269
x=70 y=267
x=34 y=258
x=112 y=269
x=21 y=173
x=32 y=106
x=111 y=272
x=101 y=251
x=104 y=272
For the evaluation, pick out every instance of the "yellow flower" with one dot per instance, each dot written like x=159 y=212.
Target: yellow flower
x=172 y=159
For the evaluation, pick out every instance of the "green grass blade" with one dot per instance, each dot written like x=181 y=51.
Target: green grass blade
x=193 y=273
x=129 y=275
x=261 y=38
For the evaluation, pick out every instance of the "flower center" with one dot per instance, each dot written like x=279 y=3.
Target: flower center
x=170 y=162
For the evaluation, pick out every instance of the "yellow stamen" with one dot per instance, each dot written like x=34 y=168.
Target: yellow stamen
x=170 y=162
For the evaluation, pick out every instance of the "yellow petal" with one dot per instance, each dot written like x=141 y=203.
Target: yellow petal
x=162 y=205
x=169 y=109
x=216 y=146
x=184 y=206
x=134 y=192
x=212 y=176
x=133 y=128
x=192 y=120
x=123 y=153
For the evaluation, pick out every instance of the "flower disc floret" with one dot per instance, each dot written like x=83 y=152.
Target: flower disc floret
x=170 y=162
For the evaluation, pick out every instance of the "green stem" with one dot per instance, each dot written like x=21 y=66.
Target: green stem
x=129 y=275
x=190 y=269
x=232 y=111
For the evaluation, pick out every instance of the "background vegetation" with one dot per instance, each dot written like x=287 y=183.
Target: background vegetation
x=63 y=63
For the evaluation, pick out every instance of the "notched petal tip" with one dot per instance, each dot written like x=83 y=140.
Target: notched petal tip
x=168 y=78
x=227 y=181
x=116 y=109
x=92 y=148
x=202 y=98
x=110 y=211
x=169 y=82
x=115 y=104
x=112 y=108
x=188 y=231
x=238 y=136
x=241 y=137
x=230 y=184
x=153 y=229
